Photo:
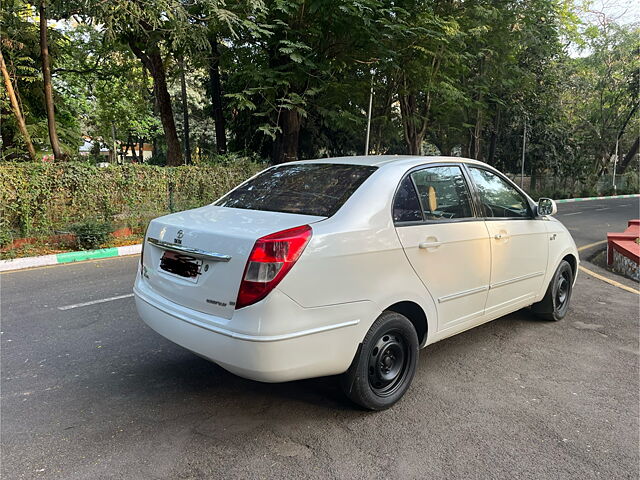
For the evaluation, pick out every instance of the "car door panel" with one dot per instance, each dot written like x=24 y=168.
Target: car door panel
x=452 y=261
x=519 y=250
x=519 y=243
x=446 y=243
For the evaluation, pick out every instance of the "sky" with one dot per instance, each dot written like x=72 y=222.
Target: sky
x=620 y=11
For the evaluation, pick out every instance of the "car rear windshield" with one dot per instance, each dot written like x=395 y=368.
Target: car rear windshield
x=309 y=189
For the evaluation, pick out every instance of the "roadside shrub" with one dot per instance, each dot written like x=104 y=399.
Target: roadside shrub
x=90 y=234
x=5 y=236
x=588 y=191
x=609 y=190
x=39 y=199
x=158 y=159
x=631 y=182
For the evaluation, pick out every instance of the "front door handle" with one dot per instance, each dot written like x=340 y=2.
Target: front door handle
x=501 y=236
x=429 y=244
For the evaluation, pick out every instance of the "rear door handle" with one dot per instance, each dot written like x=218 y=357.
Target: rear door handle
x=501 y=236
x=429 y=244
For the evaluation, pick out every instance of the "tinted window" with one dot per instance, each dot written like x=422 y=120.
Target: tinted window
x=498 y=198
x=309 y=189
x=406 y=207
x=443 y=193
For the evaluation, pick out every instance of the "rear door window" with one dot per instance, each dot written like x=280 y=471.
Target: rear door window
x=309 y=189
x=443 y=193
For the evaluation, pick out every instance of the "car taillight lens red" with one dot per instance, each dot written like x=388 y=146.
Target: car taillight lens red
x=271 y=259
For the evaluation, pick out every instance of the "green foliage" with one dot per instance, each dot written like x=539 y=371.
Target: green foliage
x=451 y=78
x=91 y=233
x=41 y=199
x=20 y=45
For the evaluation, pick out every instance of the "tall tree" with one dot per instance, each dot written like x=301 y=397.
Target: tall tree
x=150 y=55
x=185 y=113
x=216 y=95
x=17 y=111
x=299 y=49
x=48 y=87
x=431 y=39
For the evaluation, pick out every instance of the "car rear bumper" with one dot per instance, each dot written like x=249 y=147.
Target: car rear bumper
x=326 y=349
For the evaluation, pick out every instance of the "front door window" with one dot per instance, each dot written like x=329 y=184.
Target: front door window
x=498 y=198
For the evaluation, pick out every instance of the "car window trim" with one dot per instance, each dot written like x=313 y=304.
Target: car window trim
x=468 y=166
x=475 y=212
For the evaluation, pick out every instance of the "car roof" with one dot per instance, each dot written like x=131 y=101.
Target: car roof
x=404 y=161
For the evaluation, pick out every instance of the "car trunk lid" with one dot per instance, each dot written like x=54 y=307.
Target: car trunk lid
x=197 y=258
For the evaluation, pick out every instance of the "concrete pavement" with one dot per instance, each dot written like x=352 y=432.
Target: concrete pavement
x=90 y=393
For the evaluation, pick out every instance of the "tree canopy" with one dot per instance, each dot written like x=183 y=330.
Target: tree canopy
x=290 y=79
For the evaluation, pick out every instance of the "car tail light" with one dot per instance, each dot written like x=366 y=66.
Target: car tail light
x=271 y=259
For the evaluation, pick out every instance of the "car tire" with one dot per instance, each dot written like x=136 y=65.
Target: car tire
x=385 y=363
x=555 y=304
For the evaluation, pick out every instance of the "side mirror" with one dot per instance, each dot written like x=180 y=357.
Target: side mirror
x=546 y=206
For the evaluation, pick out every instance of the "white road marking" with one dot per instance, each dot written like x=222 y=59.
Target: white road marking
x=574 y=213
x=601 y=209
x=93 y=302
x=625 y=205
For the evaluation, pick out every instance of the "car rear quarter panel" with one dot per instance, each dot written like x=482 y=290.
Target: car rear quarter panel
x=356 y=256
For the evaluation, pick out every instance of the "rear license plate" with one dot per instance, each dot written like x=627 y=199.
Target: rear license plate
x=181 y=265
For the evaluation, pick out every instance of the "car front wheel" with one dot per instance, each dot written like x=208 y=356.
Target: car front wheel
x=555 y=304
x=383 y=368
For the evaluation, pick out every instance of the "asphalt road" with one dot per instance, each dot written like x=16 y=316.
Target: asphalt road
x=590 y=221
x=91 y=393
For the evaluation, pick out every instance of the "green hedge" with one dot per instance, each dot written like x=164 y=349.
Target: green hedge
x=43 y=199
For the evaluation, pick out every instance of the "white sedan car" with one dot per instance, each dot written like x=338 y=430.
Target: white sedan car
x=350 y=266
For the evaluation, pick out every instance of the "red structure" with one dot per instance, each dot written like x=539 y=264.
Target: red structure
x=623 y=250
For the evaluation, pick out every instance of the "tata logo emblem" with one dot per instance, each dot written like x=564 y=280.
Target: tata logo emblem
x=178 y=238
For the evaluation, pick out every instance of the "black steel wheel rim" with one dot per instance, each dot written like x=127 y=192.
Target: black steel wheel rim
x=388 y=363
x=563 y=289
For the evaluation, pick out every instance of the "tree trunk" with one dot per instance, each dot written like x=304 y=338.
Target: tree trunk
x=285 y=148
x=494 y=138
x=141 y=150
x=633 y=151
x=15 y=106
x=128 y=144
x=475 y=137
x=533 y=180
x=152 y=61
x=216 y=97
x=380 y=116
x=185 y=114
x=48 y=87
x=412 y=131
x=464 y=150
x=113 y=156
x=604 y=167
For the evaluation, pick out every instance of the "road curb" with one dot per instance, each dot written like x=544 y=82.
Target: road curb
x=68 y=257
x=584 y=199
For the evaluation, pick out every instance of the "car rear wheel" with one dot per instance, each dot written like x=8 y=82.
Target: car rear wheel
x=555 y=304
x=383 y=368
